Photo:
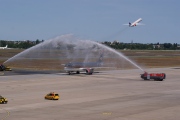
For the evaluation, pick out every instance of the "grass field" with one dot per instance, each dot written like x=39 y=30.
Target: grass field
x=145 y=58
x=155 y=58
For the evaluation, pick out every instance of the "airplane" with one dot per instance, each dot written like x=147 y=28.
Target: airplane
x=4 y=47
x=87 y=67
x=135 y=23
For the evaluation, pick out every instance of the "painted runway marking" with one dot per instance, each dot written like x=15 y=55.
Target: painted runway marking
x=1 y=73
x=7 y=114
x=107 y=113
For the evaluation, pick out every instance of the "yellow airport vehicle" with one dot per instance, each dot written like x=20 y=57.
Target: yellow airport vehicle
x=4 y=68
x=52 y=96
x=3 y=100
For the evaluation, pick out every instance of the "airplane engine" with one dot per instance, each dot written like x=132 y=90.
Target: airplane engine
x=89 y=71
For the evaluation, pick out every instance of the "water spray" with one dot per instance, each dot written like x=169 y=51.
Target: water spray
x=121 y=55
x=63 y=49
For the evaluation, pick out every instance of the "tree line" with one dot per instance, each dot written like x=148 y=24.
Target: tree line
x=141 y=46
x=116 y=45
x=19 y=44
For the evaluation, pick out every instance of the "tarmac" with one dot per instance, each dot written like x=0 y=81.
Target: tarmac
x=105 y=95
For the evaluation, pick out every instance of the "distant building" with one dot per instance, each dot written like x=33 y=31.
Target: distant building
x=115 y=42
x=157 y=46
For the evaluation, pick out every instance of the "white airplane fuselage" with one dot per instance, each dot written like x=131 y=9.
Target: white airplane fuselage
x=81 y=67
x=135 y=23
x=87 y=67
x=3 y=47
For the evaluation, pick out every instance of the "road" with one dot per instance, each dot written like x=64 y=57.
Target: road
x=107 y=95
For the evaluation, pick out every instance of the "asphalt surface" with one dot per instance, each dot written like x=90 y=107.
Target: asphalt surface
x=108 y=95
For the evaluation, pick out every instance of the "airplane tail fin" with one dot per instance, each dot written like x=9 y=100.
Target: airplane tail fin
x=6 y=46
x=100 y=58
x=129 y=24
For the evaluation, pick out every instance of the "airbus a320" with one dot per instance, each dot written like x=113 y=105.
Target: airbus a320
x=87 y=67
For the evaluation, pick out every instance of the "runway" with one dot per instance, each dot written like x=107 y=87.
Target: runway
x=105 y=95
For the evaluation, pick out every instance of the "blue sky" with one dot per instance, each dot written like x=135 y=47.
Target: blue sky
x=97 y=20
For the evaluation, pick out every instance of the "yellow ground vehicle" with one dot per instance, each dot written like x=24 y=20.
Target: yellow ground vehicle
x=4 y=68
x=3 y=100
x=52 y=96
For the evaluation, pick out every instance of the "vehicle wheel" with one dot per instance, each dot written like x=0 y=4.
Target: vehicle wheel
x=90 y=73
x=164 y=76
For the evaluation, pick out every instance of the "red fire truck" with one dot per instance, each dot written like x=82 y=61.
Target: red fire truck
x=155 y=76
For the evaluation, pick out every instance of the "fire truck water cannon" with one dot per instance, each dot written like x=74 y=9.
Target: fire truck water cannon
x=155 y=76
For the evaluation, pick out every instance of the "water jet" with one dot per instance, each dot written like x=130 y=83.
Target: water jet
x=66 y=48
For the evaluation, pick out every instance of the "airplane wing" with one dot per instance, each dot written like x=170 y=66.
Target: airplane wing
x=140 y=24
x=136 y=24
